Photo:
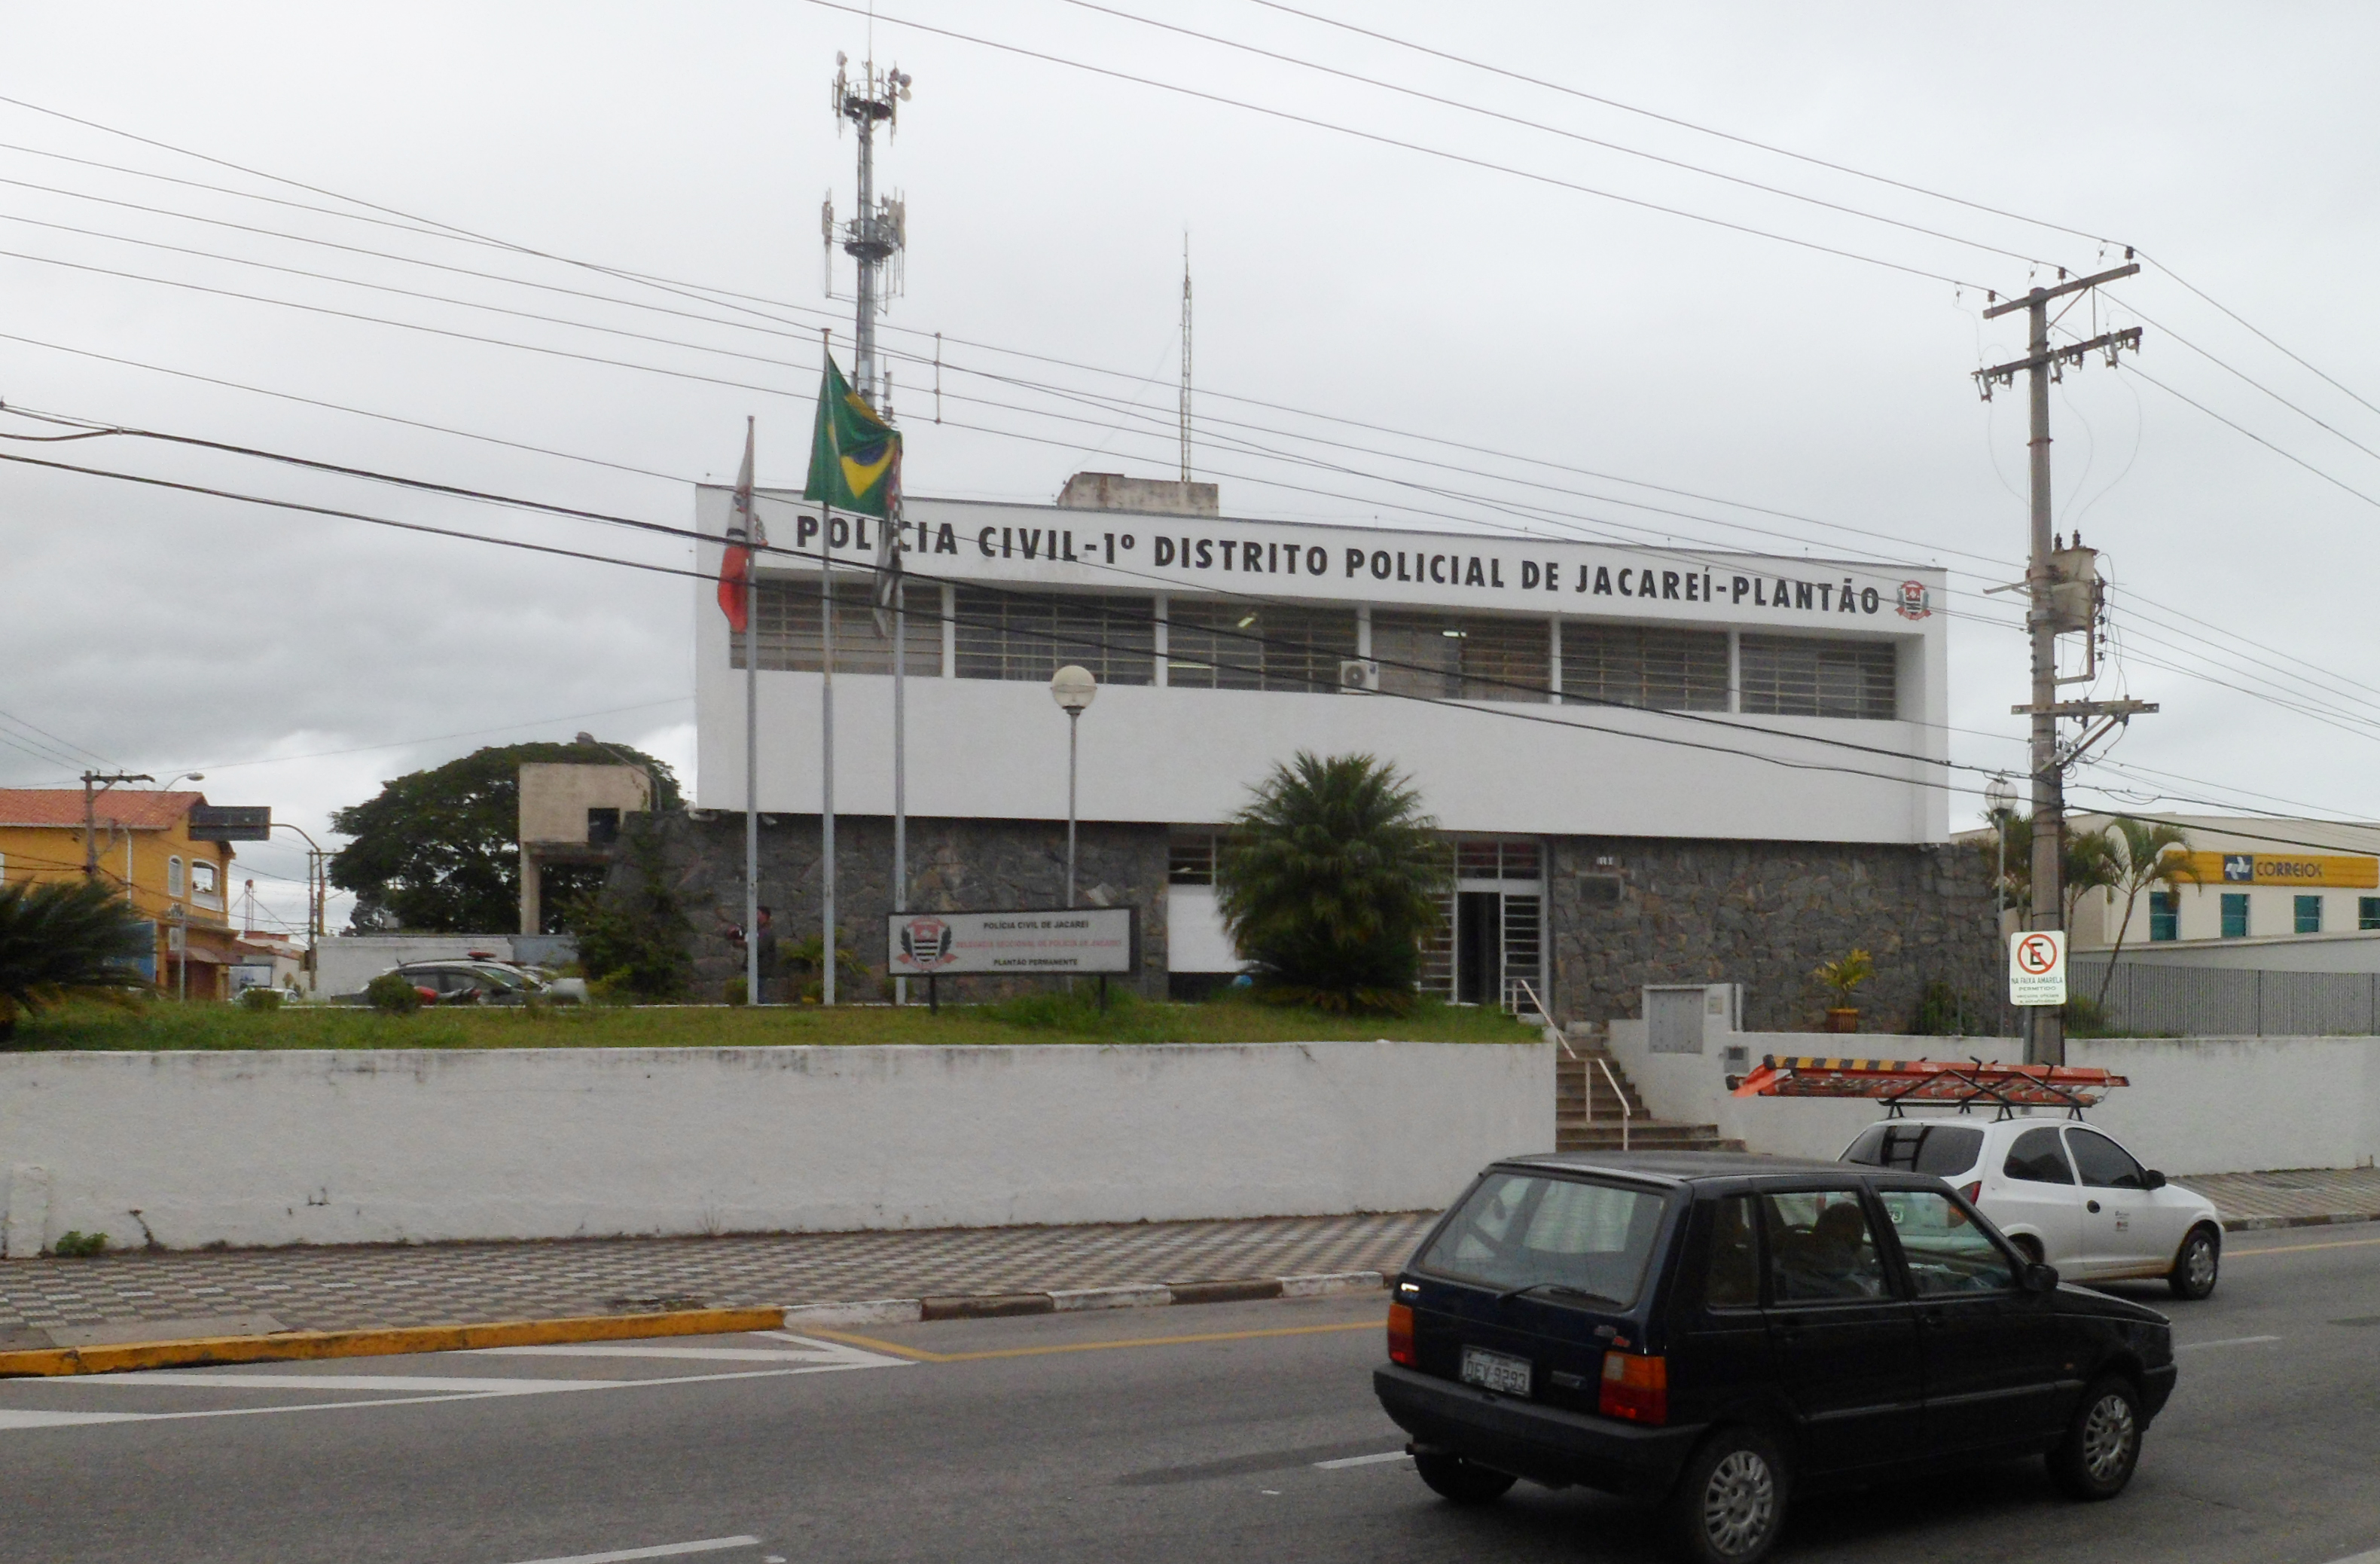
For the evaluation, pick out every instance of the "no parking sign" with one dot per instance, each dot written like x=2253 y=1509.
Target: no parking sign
x=2037 y=967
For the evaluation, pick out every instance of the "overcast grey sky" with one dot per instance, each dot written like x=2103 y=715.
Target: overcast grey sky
x=301 y=660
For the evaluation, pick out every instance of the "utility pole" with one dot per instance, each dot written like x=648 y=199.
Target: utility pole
x=2063 y=591
x=91 y=812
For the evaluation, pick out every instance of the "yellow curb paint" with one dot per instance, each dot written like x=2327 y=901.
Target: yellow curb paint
x=2300 y=1248
x=918 y=1354
x=299 y=1345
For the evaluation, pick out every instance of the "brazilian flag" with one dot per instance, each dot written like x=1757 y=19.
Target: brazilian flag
x=855 y=454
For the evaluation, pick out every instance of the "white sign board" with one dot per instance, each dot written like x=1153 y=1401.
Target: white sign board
x=1081 y=939
x=2037 y=967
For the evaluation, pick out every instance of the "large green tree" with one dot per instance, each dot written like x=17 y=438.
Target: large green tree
x=439 y=851
x=1330 y=881
x=61 y=937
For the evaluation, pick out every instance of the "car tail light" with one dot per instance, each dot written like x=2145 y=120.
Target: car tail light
x=1401 y=1340
x=1634 y=1388
x=1971 y=1193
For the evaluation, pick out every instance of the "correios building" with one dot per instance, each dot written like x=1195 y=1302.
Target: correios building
x=1651 y=766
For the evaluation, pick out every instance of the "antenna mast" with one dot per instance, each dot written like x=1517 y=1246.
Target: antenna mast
x=879 y=234
x=1185 y=357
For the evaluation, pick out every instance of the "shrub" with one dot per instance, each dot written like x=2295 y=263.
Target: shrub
x=260 y=998
x=1330 y=883
x=1842 y=978
x=852 y=978
x=393 y=993
x=75 y=1245
x=61 y=937
x=635 y=935
x=736 y=991
x=1944 y=1011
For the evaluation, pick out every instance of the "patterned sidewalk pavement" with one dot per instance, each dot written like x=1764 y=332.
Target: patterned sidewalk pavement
x=60 y=1302
x=132 y=1295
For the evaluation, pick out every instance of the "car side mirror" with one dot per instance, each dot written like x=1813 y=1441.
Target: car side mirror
x=2039 y=1277
x=2152 y=1179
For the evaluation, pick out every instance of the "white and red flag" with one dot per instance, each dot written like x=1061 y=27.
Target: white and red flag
x=744 y=533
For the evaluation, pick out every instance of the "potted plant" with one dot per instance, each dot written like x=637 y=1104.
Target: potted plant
x=1841 y=978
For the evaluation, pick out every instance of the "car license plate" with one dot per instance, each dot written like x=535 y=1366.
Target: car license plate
x=1494 y=1371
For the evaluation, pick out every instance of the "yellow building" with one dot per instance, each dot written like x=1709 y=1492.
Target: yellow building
x=142 y=844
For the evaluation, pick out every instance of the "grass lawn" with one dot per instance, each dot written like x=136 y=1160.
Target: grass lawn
x=1051 y=1018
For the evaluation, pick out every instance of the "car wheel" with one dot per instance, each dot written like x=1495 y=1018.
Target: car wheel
x=1729 y=1501
x=1458 y=1481
x=2103 y=1443
x=2198 y=1265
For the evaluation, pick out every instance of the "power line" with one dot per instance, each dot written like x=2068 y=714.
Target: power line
x=1402 y=145
x=1684 y=124
x=1551 y=130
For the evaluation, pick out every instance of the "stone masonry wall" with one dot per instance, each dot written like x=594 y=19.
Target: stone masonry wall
x=953 y=864
x=1763 y=914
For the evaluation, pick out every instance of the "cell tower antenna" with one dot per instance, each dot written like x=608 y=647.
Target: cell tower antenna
x=878 y=234
x=1186 y=355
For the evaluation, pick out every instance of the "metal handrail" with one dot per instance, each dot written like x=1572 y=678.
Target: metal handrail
x=1553 y=1032
x=1626 y=1114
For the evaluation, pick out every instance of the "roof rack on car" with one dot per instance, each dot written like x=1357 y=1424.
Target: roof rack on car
x=1897 y=1082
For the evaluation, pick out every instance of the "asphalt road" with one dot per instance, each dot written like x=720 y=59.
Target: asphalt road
x=1225 y=1431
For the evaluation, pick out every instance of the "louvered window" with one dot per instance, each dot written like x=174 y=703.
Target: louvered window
x=1223 y=644
x=1010 y=635
x=1802 y=676
x=1629 y=665
x=786 y=616
x=1465 y=657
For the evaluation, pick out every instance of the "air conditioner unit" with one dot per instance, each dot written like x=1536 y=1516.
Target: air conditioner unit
x=1359 y=674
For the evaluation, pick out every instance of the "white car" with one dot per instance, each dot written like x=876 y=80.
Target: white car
x=2063 y=1191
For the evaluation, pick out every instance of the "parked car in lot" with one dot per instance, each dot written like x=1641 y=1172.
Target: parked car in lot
x=1713 y=1331
x=473 y=981
x=2064 y=1192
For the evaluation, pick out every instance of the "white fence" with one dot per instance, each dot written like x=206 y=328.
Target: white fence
x=2196 y=1105
x=350 y=1147
x=2231 y=1002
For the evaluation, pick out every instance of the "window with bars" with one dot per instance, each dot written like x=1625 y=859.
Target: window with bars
x=1802 y=676
x=1218 y=644
x=1629 y=665
x=1493 y=860
x=1463 y=657
x=785 y=617
x=1192 y=859
x=1007 y=635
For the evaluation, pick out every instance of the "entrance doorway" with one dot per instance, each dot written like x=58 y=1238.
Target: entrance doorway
x=1478 y=946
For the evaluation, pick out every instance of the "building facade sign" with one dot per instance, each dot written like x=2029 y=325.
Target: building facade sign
x=973 y=540
x=2312 y=870
x=1081 y=939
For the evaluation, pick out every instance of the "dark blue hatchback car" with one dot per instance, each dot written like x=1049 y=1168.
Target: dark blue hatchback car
x=1710 y=1331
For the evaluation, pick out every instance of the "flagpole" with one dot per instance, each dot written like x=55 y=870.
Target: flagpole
x=899 y=760
x=751 y=731
x=826 y=750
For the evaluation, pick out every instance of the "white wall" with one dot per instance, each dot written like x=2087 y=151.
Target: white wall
x=2196 y=1105
x=350 y=1147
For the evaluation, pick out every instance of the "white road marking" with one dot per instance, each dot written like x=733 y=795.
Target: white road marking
x=2371 y=1557
x=425 y=1384
x=2236 y=1341
x=665 y=1550
x=1345 y=1461
x=598 y=1349
x=840 y=1360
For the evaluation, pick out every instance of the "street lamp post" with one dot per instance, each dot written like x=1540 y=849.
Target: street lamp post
x=1074 y=688
x=316 y=875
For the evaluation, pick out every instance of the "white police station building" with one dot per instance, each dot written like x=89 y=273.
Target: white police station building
x=1651 y=766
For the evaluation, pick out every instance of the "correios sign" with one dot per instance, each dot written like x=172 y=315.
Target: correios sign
x=1080 y=939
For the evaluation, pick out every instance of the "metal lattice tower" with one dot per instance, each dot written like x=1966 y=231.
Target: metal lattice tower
x=875 y=237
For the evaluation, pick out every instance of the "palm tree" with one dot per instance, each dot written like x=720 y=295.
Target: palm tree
x=2140 y=854
x=63 y=937
x=2087 y=864
x=1330 y=882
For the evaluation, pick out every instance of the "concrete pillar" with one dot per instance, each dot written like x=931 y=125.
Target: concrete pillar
x=531 y=889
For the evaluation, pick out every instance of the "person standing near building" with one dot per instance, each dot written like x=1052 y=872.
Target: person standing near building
x=765 y=940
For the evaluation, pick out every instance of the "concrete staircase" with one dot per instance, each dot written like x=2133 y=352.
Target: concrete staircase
x=1588 y=1116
